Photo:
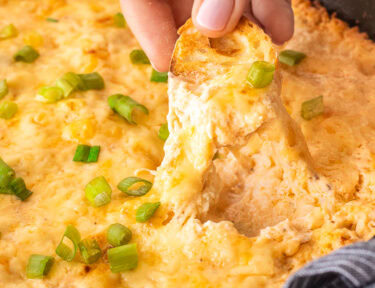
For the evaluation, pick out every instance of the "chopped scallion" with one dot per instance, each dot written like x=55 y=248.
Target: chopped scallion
x=50 y=94
x=63 y=250
x=138 y=56
x=291 y=57
x=70 y=82
x=312 y=108
x=8 y=109
x=163 y=132
x=119 y=20
x=18 y=186
x=6 y=176
x=9 y=31
x=87 y=154
x=38 y=266
x=146 y=211
x=26 y=54
x=54 y=20
x=94 y=154
x=159 y=76
x=126 y=183
x=81 y=154
x=91 y=81
x=98 y=192
x=118 y=234
x=261 y=74
x=123 y=258
x=90 y=250
x=124 y=105
x=3 y=88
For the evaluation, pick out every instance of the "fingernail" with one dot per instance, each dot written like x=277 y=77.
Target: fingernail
x=214 y=14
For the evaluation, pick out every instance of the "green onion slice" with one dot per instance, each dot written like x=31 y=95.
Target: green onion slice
x=87 y=154
x=159 y=76
x=8 y=109
x=26 y=54
x=98 y=192
x=146 y=211
x=291 y=57
x=119 y=20
x=312 y=108
x=82 y=153
x=9 y=31
x=69 y=83
x=126 y=183
x=91 y=81
x=66 y=252
x=54 y=20
x=94 y=154
x=3 y=88
x=163 y=132
x=90 y=250
x=124 y=105
x=38 y=266
x=138 y=56
x=123 y=258
x=50 y=94
x=18 y=186
x=6 y=176
x=260 y=74
x=118 y=234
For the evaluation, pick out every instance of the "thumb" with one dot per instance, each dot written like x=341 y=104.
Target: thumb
x=215 y=18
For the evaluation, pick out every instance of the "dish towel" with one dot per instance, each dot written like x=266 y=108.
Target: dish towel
x=350 y=267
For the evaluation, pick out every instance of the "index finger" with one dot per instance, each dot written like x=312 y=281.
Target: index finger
x=152 y=23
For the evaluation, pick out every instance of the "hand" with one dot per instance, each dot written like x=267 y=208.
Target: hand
x=155 y=22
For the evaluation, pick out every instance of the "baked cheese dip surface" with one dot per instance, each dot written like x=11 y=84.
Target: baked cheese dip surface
x=239 y=197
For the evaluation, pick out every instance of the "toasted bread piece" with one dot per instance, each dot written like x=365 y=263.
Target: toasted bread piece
x=262 y=173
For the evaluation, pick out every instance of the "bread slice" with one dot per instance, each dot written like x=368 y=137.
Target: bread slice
x=233 y=153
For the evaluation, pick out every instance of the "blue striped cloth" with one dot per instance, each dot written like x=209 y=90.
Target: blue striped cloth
x=350 y=267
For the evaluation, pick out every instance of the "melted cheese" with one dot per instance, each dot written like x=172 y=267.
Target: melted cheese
x=176 y=249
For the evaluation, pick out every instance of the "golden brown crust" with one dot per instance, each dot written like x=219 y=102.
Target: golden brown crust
x=195 y=55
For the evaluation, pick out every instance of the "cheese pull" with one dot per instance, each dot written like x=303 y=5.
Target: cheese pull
x=233 y=154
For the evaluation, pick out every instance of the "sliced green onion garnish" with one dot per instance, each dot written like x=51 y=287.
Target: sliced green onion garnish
x=3 y=88
x=69 y=82
x=18 y=186
x=119 y=20
x=8 y=109
x=261 y=74
x=163 y=132
x=126 y=183
x=146 y=211
x=98 y=192
x=26 y=54
x=6 y=176
x=66 y=252
x=38 y=266
x=8 y=31
x=138 y=56
x=91 y=81
x=94 y=154
x=81 y=154
x=159 y=76
x=87 y=154
x=90 y=250
x=124 y=105
x=291 y=57
x=123 y=258
x=312 y=108
x=54 y=20
x=118 y=234
x=50 y=94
